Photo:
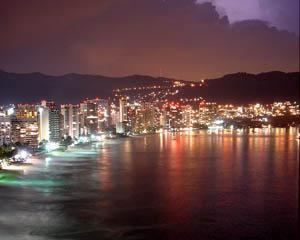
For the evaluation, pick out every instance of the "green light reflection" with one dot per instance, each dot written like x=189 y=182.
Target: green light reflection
x=12 y=178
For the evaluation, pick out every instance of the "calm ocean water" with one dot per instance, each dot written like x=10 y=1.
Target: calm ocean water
x=199 y=185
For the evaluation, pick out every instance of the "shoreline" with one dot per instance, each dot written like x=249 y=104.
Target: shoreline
x=87 y=146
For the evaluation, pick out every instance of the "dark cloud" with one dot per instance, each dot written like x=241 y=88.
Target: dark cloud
x=120 y=37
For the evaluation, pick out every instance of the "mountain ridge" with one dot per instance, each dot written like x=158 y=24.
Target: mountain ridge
x=73 y=87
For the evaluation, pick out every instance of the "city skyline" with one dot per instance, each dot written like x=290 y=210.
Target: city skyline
x=35 y=124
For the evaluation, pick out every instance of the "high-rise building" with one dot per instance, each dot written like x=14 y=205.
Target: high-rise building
x=65 y=111
x=162 y=119
x=71 y=121
x=121 y=126
x=55 y=125
x=172 y=113
x=107 y=115
x=104 y=114
x=43 y=123
x=151 y=117
x=114 y=113
x=5 y=127
x=187 y=116
x=49 y=122
x=91 y=121
x=143 y=117
x=24 y=125
x=123 y=110
x=207 y=112
x=95 y=116
x=135 y=116
x=82 y=119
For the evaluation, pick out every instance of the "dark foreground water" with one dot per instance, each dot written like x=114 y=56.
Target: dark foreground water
x=188 y=186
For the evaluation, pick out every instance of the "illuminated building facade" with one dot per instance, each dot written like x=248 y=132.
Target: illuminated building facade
x=123 y=110
x=122 y=124
x=24 y=125
x=91 y=121
x=71 y=120
x=5 y=127
x=43 y=123
x=55 y=133
x=172 y=116
x=188 y=116
x=49 y=120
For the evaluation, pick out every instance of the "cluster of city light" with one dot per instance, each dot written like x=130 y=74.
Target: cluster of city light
x=179 y=115
x=259 y=110
x=141 y=88
x=154 y=95
x=91 y=119
x=196 y=99
x=175 y=84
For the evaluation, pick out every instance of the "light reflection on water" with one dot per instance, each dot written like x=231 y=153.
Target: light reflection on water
x=197 y=185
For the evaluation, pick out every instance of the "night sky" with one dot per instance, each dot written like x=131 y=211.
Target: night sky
x=174 y=38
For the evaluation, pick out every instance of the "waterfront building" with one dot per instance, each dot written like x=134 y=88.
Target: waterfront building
x=24 y=125
x=162 y=119
x=151 y=115
x=71 y=120
x=135 y=116
x=92 y=117
x=104 y=114
x=95 y=116
x=115 y=115
x=55 y=133
x=82 y=119
x=5 y=127
x=43 y=123
x=173 y=116
x=208 y=112
x=122 y=124
x=123 y=110
x=107 y=114
x=49 y=122
x=187 y=116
